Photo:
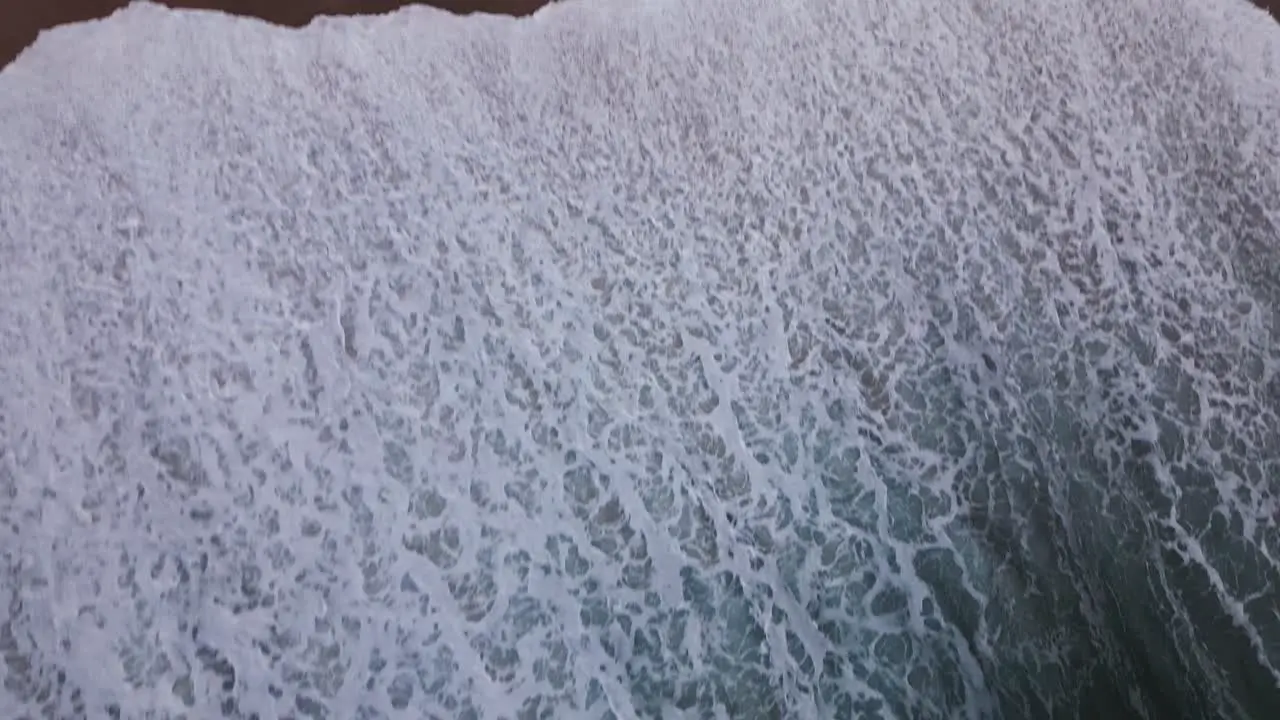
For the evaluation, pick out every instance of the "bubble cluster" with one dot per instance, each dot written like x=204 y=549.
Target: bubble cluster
x=643 y=360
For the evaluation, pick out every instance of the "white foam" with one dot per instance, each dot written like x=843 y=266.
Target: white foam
x=635 y=359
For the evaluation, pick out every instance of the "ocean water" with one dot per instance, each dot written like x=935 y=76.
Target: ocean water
x=751 y=360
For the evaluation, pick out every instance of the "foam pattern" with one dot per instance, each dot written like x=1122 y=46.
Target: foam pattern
x=718 y=359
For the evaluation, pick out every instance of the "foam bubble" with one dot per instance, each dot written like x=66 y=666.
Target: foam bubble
x=745 y=360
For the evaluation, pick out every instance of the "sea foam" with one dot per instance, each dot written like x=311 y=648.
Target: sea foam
x=716 y=359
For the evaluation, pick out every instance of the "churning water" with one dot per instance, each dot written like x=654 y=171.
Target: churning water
x=653 y=359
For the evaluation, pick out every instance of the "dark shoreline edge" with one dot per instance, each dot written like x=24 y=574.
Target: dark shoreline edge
x=22 y=21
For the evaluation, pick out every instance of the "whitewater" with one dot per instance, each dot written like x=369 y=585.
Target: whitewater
x=644 y=359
